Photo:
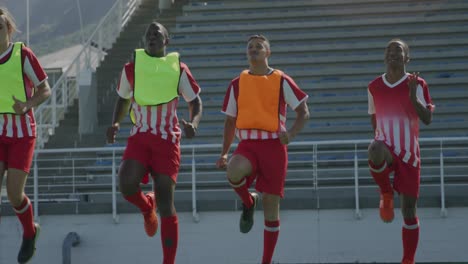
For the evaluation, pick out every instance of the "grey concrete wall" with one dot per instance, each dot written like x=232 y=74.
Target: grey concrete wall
x=307 y=236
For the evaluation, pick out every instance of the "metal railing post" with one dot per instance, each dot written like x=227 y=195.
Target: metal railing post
x=315 y=173
x=36 y=190
x=87 y=53
x=73 y=184
x=54 y=109
x=443 y=211
x=65 y=96
x=356 y=183
x=120 y=16
x=39 y=127
x=196 y=217
x=100 y=46
x=114 y=190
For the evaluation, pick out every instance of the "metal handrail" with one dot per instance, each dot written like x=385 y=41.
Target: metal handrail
x=193 y=163
x=210 y=146
x=66 y=88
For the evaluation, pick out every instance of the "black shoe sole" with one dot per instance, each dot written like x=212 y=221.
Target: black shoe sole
x=38 y=232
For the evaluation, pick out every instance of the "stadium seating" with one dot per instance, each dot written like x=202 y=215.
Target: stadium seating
x=332 y=49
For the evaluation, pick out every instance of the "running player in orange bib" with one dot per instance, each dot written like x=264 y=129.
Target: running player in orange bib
x=255 y=106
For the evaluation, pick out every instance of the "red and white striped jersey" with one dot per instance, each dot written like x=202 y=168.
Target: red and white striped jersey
x=396 y=118
x=291 y=95
x=162 y=119
x=18 y=126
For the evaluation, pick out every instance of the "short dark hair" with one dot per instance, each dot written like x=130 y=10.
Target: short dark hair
x=161 y=26
x=403 y=43
x=259 y=36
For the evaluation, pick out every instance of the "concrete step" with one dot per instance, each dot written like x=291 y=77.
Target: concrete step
x=301 y=36
x=210 y=6
x=299 y=10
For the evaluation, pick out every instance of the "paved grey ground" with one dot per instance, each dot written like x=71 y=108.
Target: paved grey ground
x=325 y=236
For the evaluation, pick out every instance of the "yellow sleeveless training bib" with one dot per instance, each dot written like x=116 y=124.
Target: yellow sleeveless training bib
x=12 y=83
x=156 y=79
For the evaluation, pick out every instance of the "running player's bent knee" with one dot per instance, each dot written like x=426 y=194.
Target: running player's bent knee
x=235 y=175
x=376 y=152
x=15 y=199
x=408 y=212
x=166 y=208
x=128 y=189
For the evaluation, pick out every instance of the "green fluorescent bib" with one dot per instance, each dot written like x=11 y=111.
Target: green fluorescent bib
x=156 y=79
x=12 y=83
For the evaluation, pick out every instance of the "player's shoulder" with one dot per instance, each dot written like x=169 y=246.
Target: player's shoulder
x=184 y=68
x=286 y=78
x=235 y=80
x=234 y=84
x=283 y=74
x=129 y=65
x=376 y=81
x=26 y=48
x=27 y=51
x=422 y=81
x=183 y=65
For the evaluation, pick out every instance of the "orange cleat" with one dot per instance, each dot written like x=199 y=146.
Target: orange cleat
x=151 y=220
x=405 y=261
x=386 y=207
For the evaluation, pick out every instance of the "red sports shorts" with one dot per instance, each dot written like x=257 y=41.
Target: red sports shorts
x=269 y=160
x=17 y=153
x=158 y=155
x=406 y=177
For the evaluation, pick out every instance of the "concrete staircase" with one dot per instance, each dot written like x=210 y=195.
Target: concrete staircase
x=107 y=76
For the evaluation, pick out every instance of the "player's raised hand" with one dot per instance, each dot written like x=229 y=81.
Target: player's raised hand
x=413 y=84
x=221 y=163
x=112 y=132
x=189 y=129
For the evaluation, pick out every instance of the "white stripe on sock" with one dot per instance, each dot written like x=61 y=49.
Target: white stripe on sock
x=24 y=208
x=384 y=166
x=272 y=229
x=411 y=227
x=237 y=185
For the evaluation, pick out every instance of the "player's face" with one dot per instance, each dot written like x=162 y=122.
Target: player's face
x=3 y=29
x=257 y=50
x=395 y=55
x=155 y=39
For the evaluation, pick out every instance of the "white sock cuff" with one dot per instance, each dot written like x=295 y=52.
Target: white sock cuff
x=272 y=229
x=379 y=170
x=238 y=184
x=22 y=210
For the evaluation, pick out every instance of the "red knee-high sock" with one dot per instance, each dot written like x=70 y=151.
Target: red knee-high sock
x=169 y=238
x=381 y=175
x=270 y=236
x=242 y=190
x=139 y=200
x=410 y=236
x=24 y=212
